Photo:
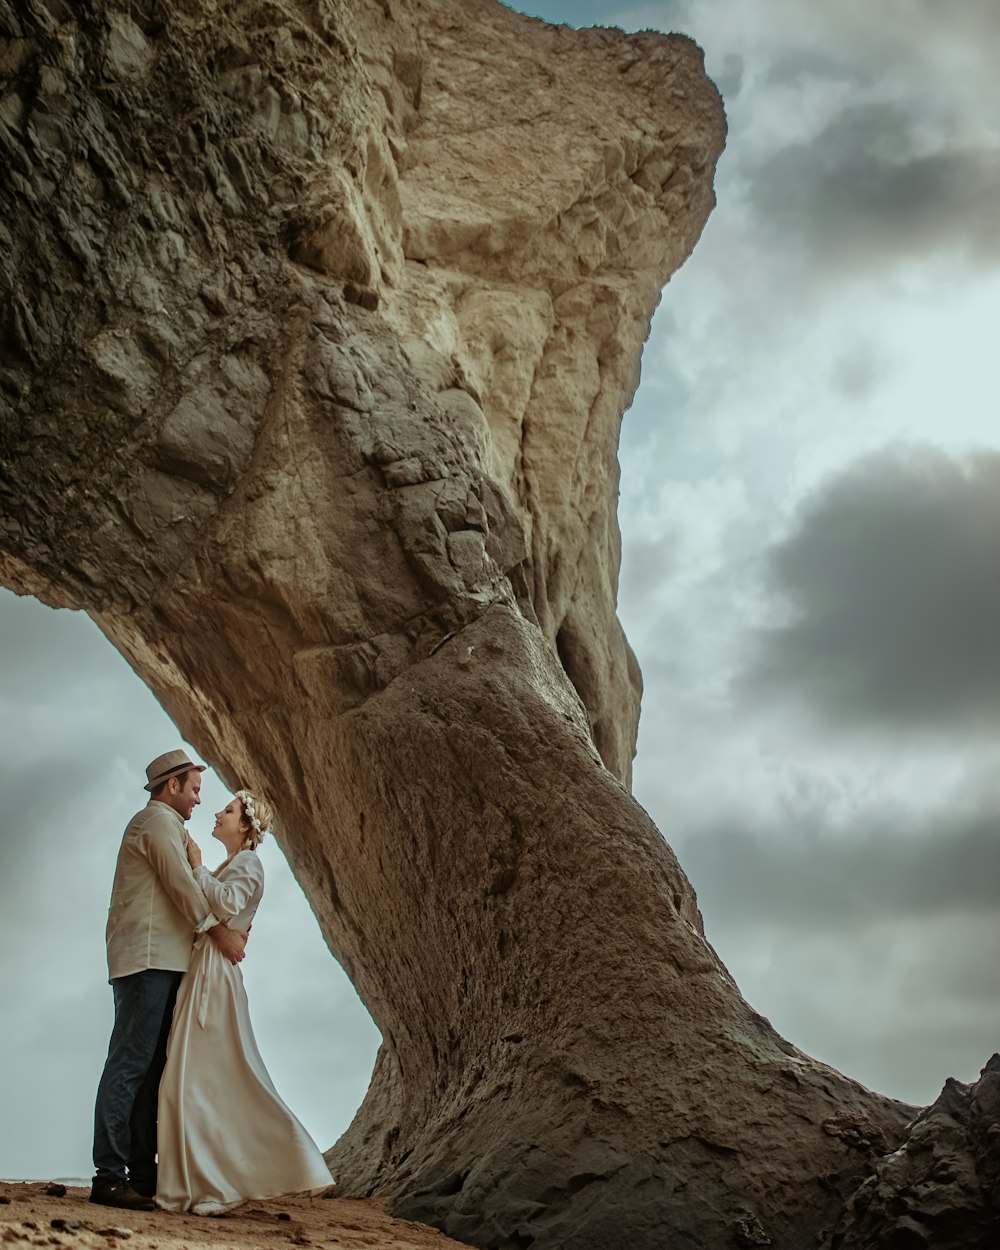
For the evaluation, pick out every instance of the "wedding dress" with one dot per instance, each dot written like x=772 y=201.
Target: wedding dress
x=223 y=1133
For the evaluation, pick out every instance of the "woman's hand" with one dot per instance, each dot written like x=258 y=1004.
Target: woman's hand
x=193 y=853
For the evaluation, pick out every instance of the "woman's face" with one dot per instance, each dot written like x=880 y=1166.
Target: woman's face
x=229 y=824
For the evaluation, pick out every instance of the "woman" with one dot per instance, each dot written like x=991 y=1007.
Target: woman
x=223 y=1134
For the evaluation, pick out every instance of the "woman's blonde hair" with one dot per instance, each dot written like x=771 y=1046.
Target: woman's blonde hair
x=257 y=814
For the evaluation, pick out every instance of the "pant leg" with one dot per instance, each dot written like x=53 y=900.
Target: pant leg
x=142 y=1158
x=143 y=1001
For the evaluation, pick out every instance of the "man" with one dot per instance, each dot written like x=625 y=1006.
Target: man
x=157 y=910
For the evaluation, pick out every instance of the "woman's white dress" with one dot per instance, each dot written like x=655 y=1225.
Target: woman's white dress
x=223 y=1134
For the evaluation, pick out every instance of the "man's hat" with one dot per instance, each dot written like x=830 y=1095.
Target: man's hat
x=169 y=765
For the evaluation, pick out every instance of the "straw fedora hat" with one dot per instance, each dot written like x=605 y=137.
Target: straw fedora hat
x=169 y=765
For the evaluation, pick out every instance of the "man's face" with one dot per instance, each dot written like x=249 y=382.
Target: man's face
x=184 y=799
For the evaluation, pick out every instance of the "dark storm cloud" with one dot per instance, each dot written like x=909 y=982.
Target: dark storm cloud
x=892 y=866
x=868 y=190
x=893 y=579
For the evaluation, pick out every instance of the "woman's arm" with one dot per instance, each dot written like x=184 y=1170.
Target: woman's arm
x=228 y=898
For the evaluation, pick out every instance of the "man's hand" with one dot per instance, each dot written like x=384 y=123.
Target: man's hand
x=193 y=853
x=231 y=944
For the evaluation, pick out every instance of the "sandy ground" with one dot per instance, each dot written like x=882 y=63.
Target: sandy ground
x=30 y=1216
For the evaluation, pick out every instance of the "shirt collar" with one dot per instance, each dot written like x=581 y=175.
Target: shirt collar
x=167 y=808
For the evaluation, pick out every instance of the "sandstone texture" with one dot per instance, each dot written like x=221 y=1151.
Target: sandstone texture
x=319 y=322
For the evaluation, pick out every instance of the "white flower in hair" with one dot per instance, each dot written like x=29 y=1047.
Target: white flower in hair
x=251 y=812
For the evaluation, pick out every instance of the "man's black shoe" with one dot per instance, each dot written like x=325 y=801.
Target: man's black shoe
x=143 y=1185
x=119 y=1193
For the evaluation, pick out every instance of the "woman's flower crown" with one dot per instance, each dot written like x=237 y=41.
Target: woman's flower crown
x=250 y=810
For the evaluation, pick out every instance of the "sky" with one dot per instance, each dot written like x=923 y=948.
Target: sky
x=810 y=513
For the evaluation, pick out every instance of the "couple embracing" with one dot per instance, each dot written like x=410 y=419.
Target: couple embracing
x=187 y=1118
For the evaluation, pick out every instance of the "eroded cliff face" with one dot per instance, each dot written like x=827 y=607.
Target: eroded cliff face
x=941 y=1189
x=322 y=319
x=514 y=231
x=541 y=213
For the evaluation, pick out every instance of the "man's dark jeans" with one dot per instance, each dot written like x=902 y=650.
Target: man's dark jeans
x=125 y=1115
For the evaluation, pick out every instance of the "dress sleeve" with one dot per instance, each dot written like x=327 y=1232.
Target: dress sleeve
x=244 y=877
x=165 y=853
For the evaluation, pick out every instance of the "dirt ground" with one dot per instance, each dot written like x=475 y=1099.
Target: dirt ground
x=30 y=1216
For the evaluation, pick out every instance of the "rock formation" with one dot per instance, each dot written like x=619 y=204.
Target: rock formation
x=320 y=317
x=941 y=1189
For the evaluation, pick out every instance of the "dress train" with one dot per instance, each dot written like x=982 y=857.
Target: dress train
x=224 y=1134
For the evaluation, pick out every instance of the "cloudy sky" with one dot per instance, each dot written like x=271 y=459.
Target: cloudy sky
x=810 y=510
